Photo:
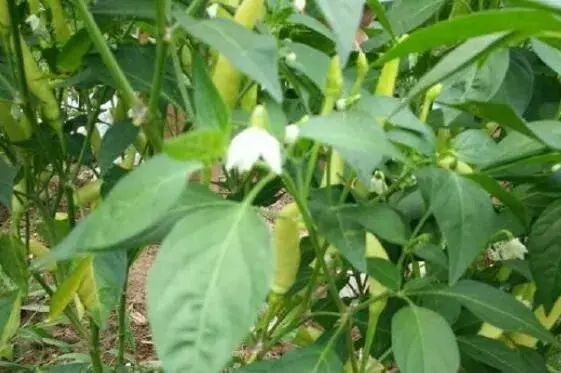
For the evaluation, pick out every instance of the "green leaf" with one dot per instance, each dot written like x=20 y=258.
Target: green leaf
x=13 y=261
x=476 y=82
x=7 y=176
x=344 y=19
x=203 y=144
x=433 y=254
x=475 y=25
x=551 y=56
x=378 y=9
x=143 y=9
x=448 y=308
x=310 y=62
x=544 y=245
x=68 y=288
x=551 y=5
x=115 y=141
x=494 y=353
x=518 y=86
x=72 y=54
x=474 y=146
x=253 y=54
x=381 y=220
x=102 y=286
x=464 y=214
x=211 y=111
x=134 y=206
x=10 y=319
x=312 y=24
x=70 y=368
x=277 y=118
x=548 y=131
x=500 y=113
x=458 y=59
x=423 y=342
x=385 y=272
x=404 y=16
x=137 y=62
x=506 y=197
x=359 y=140
x=311 y=359
x=207 y=285
x=493 y=306
x=7 y=303
x=516 y=146
x=340 y=231
x=389 y=109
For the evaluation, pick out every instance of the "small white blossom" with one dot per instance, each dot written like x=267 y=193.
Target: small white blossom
x=290 y=57
x=291 y=133
x=34 y=22
x=422 y=268
x=138 y=114
x=511 y=249
x=299 y=5
x=341 y=104
x=525 y=302
x=251 y=144
x=378 y=183
x=556 y=167
x=212 y=10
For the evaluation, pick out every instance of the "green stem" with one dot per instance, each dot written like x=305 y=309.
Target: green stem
x=159 y=68
x=106 y=55
x=122 y=326
x=370 y=335
x=179 y=76
x=89 y=131
x=94 y=348
x=20 y=65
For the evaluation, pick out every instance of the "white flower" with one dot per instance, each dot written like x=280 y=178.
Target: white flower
x=212 y=10
x=34 y=22
x=291 y=133
x=341 y=104
x=251 y=144
x=422 y=268
x=378 y=183
x=556 y=167
x=511 y=249
x=299 y=5
x=291 y=57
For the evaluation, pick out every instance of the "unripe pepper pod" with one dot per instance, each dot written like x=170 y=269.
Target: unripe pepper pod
x=388 y=77
x=287 y=248
x=259 y=117
x=60 y=26
x=249 y=99
x=431 y=96
x=226 y=77
x=38 y=84
x=334 y=79
x=5 y=20
x=374 y=249
x=361 y=71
